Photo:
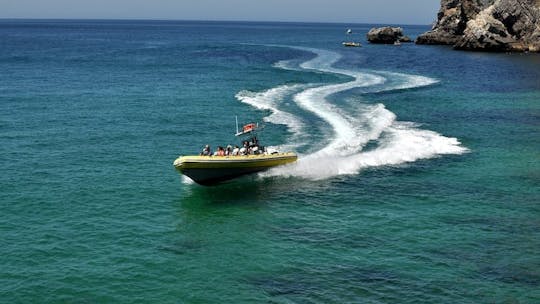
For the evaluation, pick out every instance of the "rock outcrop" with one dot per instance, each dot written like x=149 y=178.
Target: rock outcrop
x=387 y=35
x=487 y=25
x=452 y=20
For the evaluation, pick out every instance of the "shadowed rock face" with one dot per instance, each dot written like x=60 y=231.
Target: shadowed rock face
x=487 y=25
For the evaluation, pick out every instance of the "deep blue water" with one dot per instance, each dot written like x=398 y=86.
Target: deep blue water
x=418 y=179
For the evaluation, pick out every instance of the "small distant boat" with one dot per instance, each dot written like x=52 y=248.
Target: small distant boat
x=397 y=43
x=210 y=169
x=351 y=44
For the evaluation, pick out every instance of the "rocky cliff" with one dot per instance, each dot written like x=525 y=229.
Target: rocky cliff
x=490 y=25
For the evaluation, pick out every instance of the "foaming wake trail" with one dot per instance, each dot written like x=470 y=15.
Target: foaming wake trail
x=395 y=142
x=410 y=81
x=404 y=143
x=348 y=137
x=401 y=81
x=286 y=65
x=401 y=144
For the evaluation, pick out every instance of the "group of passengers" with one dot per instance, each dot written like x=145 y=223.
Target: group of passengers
x=248 y=148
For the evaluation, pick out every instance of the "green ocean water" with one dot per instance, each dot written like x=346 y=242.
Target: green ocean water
x=418 y=179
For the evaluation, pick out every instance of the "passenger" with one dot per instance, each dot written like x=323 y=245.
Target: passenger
x=229 y=150
x=206 y=151
x=243 y=151
x=220 y=151
x=236 y=150
x=245 y=148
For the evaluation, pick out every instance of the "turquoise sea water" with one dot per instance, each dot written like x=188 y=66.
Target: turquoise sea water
x=418 y=179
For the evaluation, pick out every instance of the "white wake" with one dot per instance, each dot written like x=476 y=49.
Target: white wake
x=394 y=142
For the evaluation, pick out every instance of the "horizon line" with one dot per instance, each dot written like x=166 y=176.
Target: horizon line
x=203 y=20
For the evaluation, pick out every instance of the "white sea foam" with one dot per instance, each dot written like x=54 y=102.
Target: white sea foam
x=402 y=81
x=411 y=81
x=345 y=129
x=394 y=142
x=399 y=145
x=286 y=65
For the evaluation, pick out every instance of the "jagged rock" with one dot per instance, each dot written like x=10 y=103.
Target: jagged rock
x=387 y=35
x=487 y=25
x=452 y=20
x=486 y=33
x=507 y=25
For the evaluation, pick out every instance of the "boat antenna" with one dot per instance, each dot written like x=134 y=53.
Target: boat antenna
x=236 y=117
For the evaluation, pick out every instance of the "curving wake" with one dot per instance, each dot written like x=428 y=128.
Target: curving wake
x=394 y=142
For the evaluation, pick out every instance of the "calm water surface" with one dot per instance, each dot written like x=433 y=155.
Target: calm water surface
x=418 y=179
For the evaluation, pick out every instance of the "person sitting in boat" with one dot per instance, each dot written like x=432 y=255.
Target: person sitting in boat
x=228 y=151
x=236 y=150
x=245 y=149
x=254 y=146
x=220 y=151
x=206 y=151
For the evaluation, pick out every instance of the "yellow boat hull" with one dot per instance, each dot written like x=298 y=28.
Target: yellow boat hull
x=210 y=170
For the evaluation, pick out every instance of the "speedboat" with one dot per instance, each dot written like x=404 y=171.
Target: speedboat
x=209 y=169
